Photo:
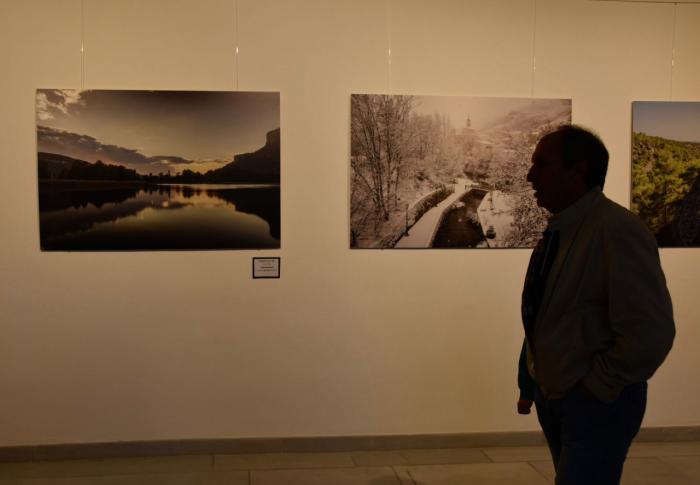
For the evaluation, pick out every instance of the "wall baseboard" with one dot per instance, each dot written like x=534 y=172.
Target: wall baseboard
x=124 y=449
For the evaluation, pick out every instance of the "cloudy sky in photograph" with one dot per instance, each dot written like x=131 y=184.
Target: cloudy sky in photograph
x=155 y=131
x=674 y=120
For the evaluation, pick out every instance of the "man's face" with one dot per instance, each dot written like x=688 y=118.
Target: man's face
x=555 y=185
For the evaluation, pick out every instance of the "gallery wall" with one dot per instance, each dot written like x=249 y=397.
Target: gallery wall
x=113 y=346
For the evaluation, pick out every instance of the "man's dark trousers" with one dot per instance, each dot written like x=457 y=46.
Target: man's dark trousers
x=589 y=438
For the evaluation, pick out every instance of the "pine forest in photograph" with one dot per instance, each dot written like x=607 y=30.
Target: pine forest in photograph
x=158 y=170
x=666 y=170
x=446 y=172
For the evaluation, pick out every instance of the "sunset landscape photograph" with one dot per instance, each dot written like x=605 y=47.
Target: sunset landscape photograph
x=158 y=170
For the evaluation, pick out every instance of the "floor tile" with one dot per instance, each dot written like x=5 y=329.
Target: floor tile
x=115 y=466
x=269 y=461
x=404 y=476
x=185 y=478
x=661 y=463
x=652 y=471
x=545 y=468
x=676 y=448
x=637 y=471
x=337 y=476
x=471 y=474
x=378 y=458
x=232 y=477
x=517 y=453
x=686 y=465
x=444 y=456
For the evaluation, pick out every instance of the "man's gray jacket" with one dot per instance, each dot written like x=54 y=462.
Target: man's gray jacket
x=606 y=317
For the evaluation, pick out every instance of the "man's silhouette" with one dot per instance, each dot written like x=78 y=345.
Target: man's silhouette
x=597 y=315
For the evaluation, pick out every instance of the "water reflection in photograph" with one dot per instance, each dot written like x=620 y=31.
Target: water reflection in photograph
x=142 y=217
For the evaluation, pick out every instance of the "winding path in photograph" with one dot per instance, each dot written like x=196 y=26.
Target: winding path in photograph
x=420 y=235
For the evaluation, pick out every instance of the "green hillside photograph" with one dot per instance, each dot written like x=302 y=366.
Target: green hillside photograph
x=666 y=170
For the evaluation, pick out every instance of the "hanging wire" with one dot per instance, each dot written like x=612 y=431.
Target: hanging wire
x=388 y=38
x=82 y=45
x=673 y=49
x=534 y=43
x=236 y=60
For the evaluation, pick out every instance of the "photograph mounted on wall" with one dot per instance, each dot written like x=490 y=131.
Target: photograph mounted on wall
x=666 y=170
x=158 y=170
x=446 y=172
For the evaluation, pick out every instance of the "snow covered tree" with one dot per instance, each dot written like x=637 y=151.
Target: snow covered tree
x=529 y=220
x=380 y=135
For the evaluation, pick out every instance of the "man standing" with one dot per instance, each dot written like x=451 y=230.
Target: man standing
x=597 y=314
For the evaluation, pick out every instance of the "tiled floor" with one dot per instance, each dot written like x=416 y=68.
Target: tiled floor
x=676 y=463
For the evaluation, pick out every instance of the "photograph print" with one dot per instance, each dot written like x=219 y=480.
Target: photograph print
x=158 y=170
x=446 y=172
x=666 y=170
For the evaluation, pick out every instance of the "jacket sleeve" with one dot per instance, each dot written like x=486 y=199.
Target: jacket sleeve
x=639 y=311
x=525 y=382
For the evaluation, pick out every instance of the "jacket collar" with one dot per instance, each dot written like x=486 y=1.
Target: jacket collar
x=571 y=216
x=567 y=222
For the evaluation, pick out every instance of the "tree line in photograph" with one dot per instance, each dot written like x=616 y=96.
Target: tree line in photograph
x=666 y=188
x=261 y=166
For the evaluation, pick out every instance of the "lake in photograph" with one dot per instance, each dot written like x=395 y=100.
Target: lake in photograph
x=122 y=170
x=98 y=216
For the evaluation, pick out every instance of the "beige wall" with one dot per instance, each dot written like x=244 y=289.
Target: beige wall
x=169 y=345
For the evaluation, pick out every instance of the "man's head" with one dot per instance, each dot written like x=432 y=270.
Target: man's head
x=566 y=164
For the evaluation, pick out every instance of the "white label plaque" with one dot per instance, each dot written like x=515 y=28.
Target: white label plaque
x=266 y=267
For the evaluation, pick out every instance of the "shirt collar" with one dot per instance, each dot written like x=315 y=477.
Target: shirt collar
x=573 y=214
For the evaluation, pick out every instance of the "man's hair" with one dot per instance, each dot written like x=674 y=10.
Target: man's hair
x=579 y=143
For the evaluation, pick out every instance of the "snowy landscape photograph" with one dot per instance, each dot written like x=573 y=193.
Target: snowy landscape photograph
x=446 y=172
x=666 y=170
x=158 y=170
